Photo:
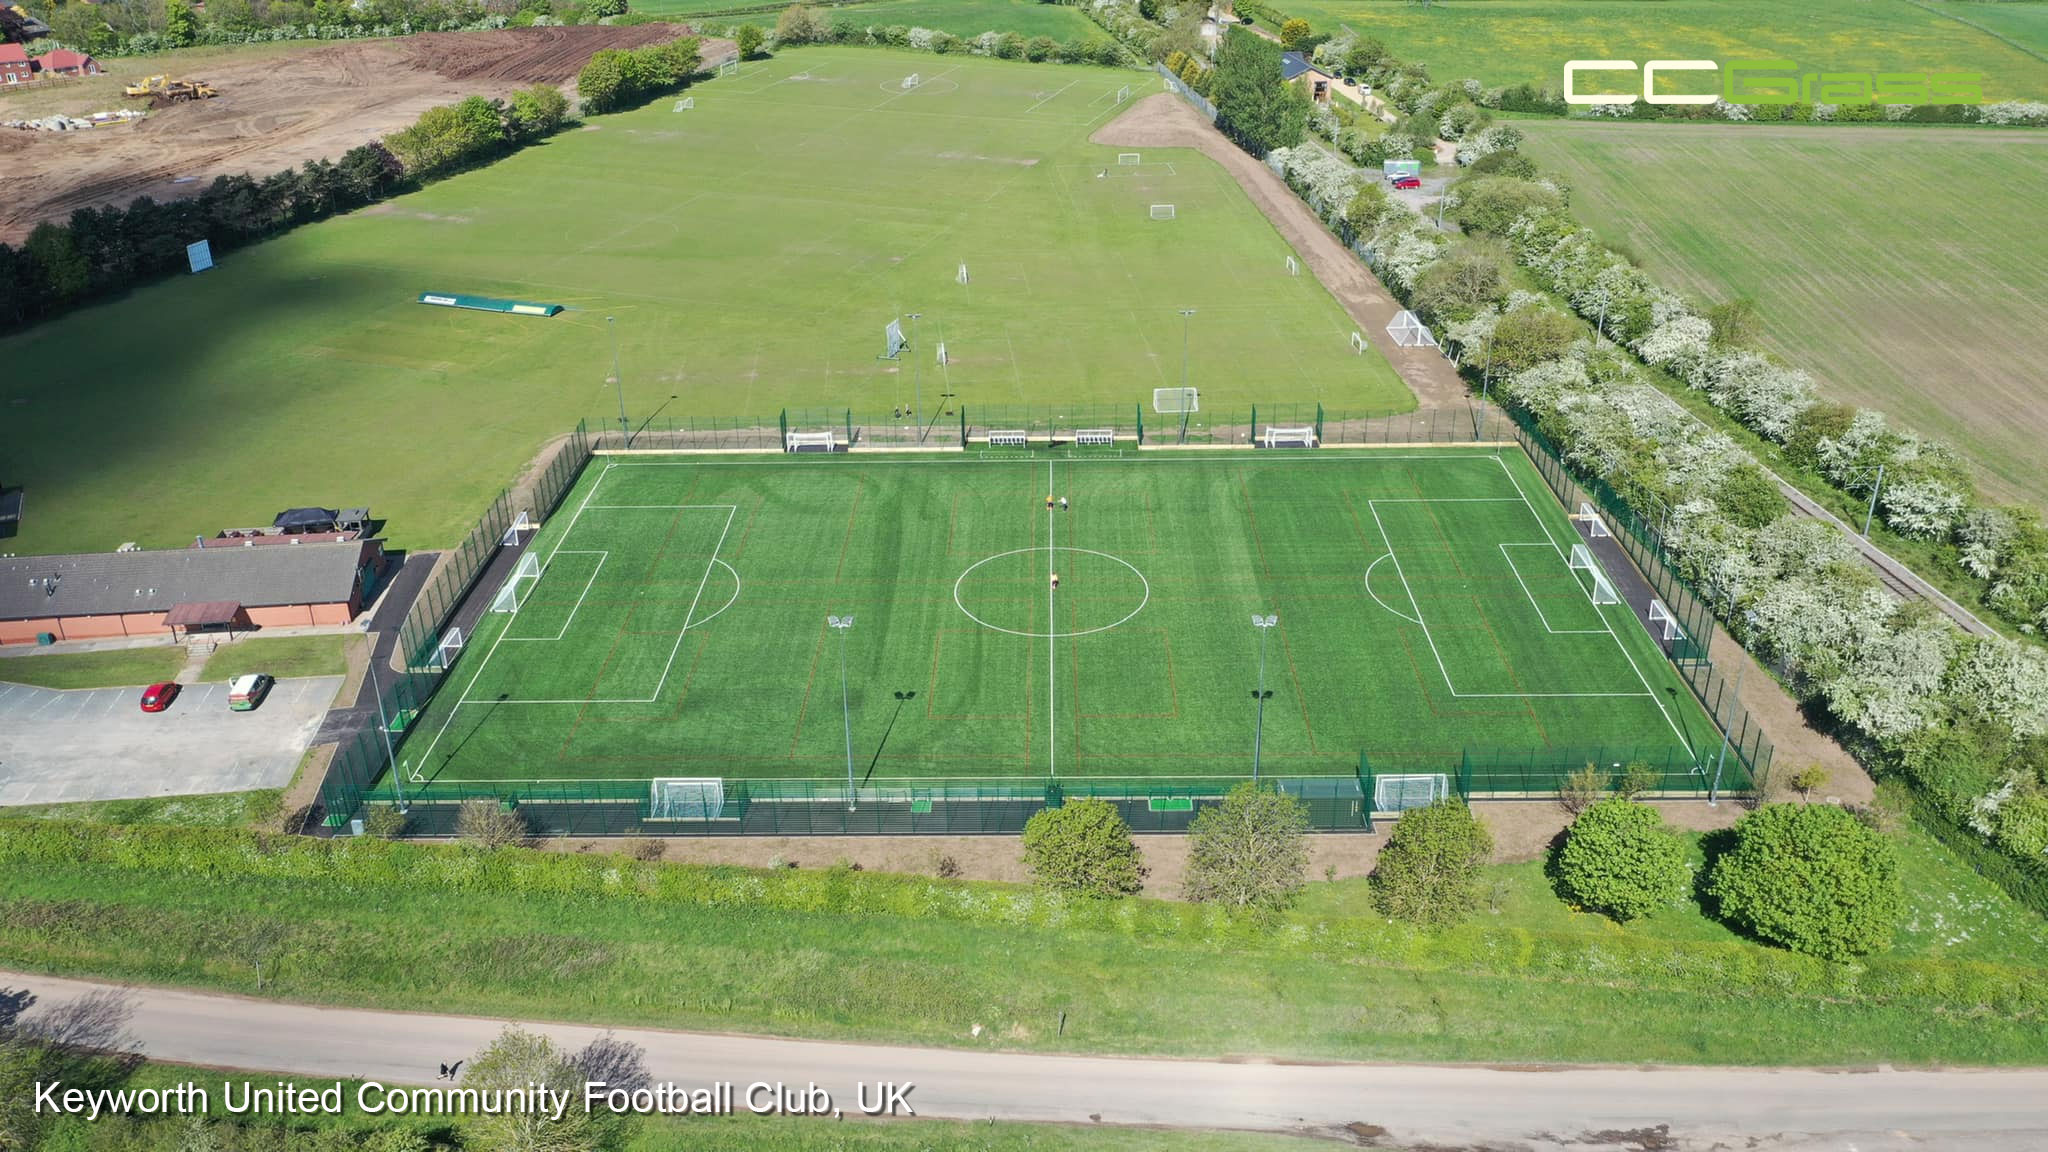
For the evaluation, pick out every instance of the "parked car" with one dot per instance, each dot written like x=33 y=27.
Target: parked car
x=158 y=697
x=246 y=692
x=1405 y=182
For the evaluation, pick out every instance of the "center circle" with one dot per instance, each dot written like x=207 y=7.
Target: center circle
x=1097 y=589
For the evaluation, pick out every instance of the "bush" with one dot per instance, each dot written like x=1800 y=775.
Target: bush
x=489 y=824
x=1083 y=847
x=749 y=38
x=1250 y=851
x=1581 y=790
x=449 y=137
x=537 y=111
x=1428 y=873
x=384 y=821
x=1293 y=32
x=1619 y=859
x=1812 y=878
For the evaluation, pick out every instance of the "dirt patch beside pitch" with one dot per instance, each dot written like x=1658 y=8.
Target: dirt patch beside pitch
x=279 y=111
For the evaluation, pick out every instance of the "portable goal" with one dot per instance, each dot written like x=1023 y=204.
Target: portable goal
x=811 y=442
x=1409 y=331
x=1095 y=436
x=1602 y=590
x=1123 y=93
x=730 y=66
x=686 y=798
x=1358 y=343
x=1009 y=438
x=1279 y=437
x=686 y=103
x=1130 y=157
x=911 y=81
x=1400 y=793
x=1162 y=211
x=1174 y=401
x=514 y=592
x=1595 y=527
x=520 y=528
x=942 y=353
x=448 y=649
x=1293 y=267
x=1664 y=623
x=961 y=276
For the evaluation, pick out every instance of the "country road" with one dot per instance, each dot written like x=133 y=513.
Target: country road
x=1446 y=1107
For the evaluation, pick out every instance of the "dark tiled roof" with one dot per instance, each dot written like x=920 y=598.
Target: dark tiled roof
x=1292 y=64
x=101 y=583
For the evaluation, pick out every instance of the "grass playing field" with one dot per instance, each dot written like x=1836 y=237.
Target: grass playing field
x=678 y=626
x=751 y=249
x=962 y=18
x=1897 y=265
x=1528 y=41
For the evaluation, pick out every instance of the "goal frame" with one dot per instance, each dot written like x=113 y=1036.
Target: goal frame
x=1663 y=623
x=1163 y=212
x=1176 y=401
x=1279 y=436
x=1358 y=343
x=520 y=523
x=449 y=648
x=1130 y=158
x=1602 y=591
x=508 y=598
x=1408 y=331
x=686 y=798
x=795 y=441
x=1402 y=797
x=1293 y=266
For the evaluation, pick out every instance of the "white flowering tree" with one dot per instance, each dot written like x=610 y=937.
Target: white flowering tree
x=2005 y=680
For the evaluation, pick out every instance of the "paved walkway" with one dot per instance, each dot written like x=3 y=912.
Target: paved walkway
x=1529 y=1109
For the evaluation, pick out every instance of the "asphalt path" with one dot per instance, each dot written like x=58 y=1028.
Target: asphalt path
x=1549 y=1109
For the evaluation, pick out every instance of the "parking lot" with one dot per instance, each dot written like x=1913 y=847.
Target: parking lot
x=57 y=747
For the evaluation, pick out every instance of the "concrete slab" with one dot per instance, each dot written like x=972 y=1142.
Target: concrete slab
x=60 y=747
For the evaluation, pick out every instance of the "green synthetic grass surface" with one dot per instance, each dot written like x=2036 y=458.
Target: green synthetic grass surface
x=115 y=668
x=1882 y=259
x=281 y=656
x=751 y=250
x=679 y=626
x=1504 y=42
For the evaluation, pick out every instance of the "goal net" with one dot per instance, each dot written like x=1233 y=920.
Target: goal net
x=1358 y=343
x=911 y=81
x=811 y=442
x=1278 y=437
x=686 y=103
x=685 y=798
x=1162 y=211
x=1123 y=93
x=730 y=67
x=1595 y=527
x=1400 y=793
x=448 y=649
x=1664 y=623
x=1130 y=157
x=1293 y=268
x=515 y=590
x=961 y=276
x=1409 y=331
x=1602 y=589
x=892 y=340
x=1174 y=401
x=519 y=529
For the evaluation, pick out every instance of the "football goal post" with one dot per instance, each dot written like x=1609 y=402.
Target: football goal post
x=1358 y=343
x=961 y=276
x=448 y=649
x=1664 y=623
x=1293 y=267
x=730 y=66
x=1595 y=527
x=1409 y=331
x=1162 y=211
x=811 y=442
x=1602 y=590
x=686 y=103
x=1130 y=157
x=686 y=798
x=519 y=529
x=515 y=590
x=1123 y=93
x=1278 y=437
x=911 y=81
x=942 y=353
x=1174 y=401
x=1400 y=793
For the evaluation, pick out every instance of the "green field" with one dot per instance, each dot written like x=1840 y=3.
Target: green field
x=281 y=656
x=678 y=626
x=1505 y=42
x=115 y=668
x=1901 y=267
x=963 y=18
x=751 y=249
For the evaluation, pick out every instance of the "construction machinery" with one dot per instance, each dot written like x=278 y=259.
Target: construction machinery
x=166 y=89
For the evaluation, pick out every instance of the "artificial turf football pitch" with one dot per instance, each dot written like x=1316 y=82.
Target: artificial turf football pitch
x=679 y=626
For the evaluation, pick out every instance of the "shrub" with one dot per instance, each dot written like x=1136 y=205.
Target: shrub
x=749 y=39
x=1812 y=878
x=1040 y=48
x=384 y=821
x=1083 y=847
x=652 y=848
x=1428 y=873
x=489 y=824
x=1619 y=859
x=449 y=137
x=1293 y=32
x=1249 y=851
x=1581 y=790
x=1809 y=778
x=800 y=25
x=537 y=111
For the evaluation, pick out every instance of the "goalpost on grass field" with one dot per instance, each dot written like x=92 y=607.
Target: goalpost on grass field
x=1130 y=157
x=448 y=649
x=685 y=798
x=1665 y=624
x=1400 y=793
x=730 y=66
x=1595 y=527
x=1603 y=589
x=1162 y=211
x=1293 y=267
x=1123 y=93
x=911 y=81
x=516 y=589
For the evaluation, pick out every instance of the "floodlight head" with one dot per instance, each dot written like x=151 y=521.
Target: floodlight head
x=1187 y=311
x=1259 y=621
x=839 y=621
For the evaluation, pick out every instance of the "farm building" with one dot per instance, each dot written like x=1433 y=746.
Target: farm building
x=65 y=62
x=297 y=581
x=15 y=67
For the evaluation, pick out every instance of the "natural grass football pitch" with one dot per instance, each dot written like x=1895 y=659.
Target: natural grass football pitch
x=963 y=18
x=679 y=626
x=1898 y=265
x=1504 y=42
x=751 y=249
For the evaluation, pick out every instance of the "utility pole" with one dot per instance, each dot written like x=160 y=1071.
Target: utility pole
x=1264 y=624
x=384 y=728
x=917 y=374
x=1871 y=511
x=618 y=383
x=1184 y=314
x=842 y=624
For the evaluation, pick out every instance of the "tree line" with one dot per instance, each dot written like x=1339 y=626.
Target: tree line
x=102 y=251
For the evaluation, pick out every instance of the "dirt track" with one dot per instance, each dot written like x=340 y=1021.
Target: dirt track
x=280 y=111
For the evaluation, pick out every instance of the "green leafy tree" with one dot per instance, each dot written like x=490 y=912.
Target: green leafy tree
x=181 y=24
x=1807 y=779
x=1250 y=851
x=1367 y=208
x=800 y=25
x=1812 y=878
x=749 y=38
x=1428 y=872
x=1737 y=323
x=516 y=1059
x=1364 y=56
x=1749 y=497
x=601 y=81
x=1527 y=337
x=1083 y=847
x=599 y=9
x=1293 y=32
x=449 y=137
x=1619 y=859
x=1040 y=48
x=1254 y=106
x=1492 y=204
x=1472 y=274
x=537 y=111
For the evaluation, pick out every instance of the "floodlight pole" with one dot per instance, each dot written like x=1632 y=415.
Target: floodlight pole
x=384 y=727
x=617 y=383
x=843 y=624
x=917 y=375
x=1871 y=511
x=1264 y=624
x=1714 y=789
x=1184 y=314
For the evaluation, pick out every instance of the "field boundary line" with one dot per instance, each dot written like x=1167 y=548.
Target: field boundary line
x=1055 y=96
x=1547 y=627
x=602 y=556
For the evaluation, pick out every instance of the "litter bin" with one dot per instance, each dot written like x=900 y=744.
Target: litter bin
x=45 y=639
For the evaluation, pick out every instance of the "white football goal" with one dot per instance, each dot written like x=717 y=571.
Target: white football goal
x=1130 y=157
x=961 y=276
x=1123 y=93
x=1279 y=437
x=686 y=103
x=685 y=798
x=1595 y=526
x=1293 y=267
x=515 y=590
x=942 y=353
x=1162 y=211
x=1602 y=590
x=730 y=66
x=1664 y=623
x=1409 y=331
x=811 y=442
x=1009 y=438
x=1400 y=793
x=1174 y=401
x=911 y=81
x=1358 y=343
x=448 y=649
x=519 y=529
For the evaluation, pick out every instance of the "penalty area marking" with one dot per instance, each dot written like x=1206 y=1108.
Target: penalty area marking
x=1143 y=600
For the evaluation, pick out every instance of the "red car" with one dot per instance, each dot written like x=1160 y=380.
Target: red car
x=158 y=697
x=1408 y=182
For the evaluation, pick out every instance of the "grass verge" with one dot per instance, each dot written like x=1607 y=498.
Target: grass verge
x=116 y=668
x=281 y=656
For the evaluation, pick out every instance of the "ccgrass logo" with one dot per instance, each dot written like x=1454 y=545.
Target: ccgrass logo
x=1780 y=82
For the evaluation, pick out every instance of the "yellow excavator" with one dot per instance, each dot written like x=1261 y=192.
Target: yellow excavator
x=171 y=89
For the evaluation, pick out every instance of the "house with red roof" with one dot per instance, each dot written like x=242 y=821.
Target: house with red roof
x=15 y=67
x=65 y=62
